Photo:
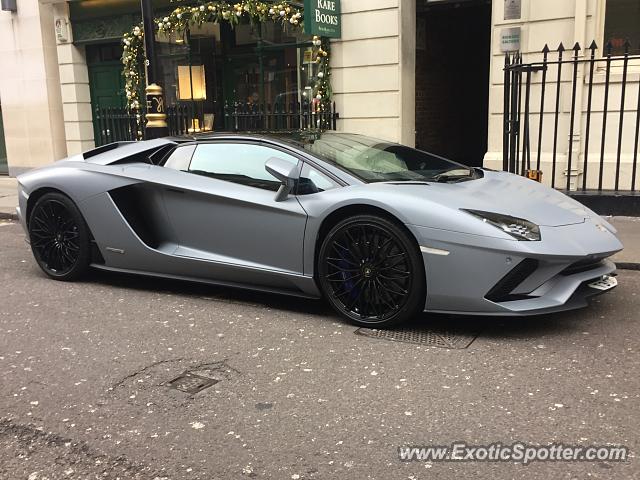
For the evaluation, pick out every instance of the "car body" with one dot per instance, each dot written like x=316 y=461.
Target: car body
x=153 y=208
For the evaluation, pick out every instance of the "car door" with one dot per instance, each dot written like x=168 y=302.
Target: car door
x=223 y=209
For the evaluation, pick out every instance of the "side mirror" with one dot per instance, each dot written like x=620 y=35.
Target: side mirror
x=285 y=172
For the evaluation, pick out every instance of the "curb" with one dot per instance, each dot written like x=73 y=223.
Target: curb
x=8 y=216
x=628 y=266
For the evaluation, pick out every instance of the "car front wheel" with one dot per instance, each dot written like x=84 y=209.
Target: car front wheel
x=59 y=237
x=371 y=271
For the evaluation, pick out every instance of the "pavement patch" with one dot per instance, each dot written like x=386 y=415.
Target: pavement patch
x=31 y=452
x=191 y=383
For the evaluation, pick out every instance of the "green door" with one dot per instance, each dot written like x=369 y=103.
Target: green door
x=3 y=149
x=106 y=85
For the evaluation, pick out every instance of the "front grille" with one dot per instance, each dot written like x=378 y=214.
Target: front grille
x=501 y=292
x=582 y=266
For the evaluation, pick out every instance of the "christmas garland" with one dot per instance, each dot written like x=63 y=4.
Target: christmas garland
x=132 y=59
x=182 y=18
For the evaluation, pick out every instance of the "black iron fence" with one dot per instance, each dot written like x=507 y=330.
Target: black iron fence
x=117 y=124
x=292 y=116
x=580 y=114
x=112 y=124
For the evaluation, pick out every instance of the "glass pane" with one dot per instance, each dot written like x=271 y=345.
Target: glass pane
x=180 y=158
x=264 y=66
x=238 y=163
x=374 y=160
x=312 y=181
x=622 y=23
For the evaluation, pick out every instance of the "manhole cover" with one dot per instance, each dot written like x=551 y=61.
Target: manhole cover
x=191 y=383
x=442 y=339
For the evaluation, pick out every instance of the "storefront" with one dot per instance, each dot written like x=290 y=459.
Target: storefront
x=252 y=76
x=215 y=76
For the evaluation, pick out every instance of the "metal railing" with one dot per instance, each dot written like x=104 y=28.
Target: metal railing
x=180 y=118
x=292 y=116
x=114 y=124
x=591 y=98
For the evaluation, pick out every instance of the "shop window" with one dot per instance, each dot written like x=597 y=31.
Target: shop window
x=622 y=23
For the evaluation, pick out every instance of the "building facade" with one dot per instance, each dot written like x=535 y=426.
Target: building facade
x=428 y=73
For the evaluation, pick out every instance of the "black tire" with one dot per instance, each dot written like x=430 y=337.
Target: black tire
x=371 y=272
x=59 y=237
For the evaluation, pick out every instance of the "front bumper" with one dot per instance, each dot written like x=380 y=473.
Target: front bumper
x=493 y=276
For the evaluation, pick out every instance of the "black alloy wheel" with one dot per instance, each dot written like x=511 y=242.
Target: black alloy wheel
x=371 y=271
x=59 y=237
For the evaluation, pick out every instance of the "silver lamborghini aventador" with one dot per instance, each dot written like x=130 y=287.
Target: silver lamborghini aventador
x=381 y=230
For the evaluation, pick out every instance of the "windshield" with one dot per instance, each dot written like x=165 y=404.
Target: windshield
x=374 y=160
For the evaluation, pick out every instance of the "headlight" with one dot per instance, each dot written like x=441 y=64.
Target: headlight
x=518 y=228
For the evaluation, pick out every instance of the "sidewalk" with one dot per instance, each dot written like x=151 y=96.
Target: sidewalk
x=8 y=197
x=628 y=227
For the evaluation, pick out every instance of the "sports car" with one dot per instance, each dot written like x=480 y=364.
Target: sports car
x=382 y=231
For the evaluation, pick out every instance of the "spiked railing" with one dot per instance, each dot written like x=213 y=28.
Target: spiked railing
x=587 y=72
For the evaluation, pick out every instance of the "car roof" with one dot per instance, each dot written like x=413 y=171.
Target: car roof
x=295 y=138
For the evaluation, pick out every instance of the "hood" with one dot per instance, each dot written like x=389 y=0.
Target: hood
x=505 y=193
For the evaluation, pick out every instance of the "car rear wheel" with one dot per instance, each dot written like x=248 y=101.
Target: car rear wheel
x=371 y=271
x=59 y=237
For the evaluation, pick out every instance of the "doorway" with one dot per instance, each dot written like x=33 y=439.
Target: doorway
x=106 y=84
x=452 y=78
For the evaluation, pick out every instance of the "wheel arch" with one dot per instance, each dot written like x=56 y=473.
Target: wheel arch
x=347 y=211
x=41 y=192
x=37 y=195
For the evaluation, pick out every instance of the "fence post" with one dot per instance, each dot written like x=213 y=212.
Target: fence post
x=505 y=115
x=587 y=132
x=635 y=143
x=556 y=118
x=625 y=66
x=604 y=114
x=576 y=51
x=545 y=53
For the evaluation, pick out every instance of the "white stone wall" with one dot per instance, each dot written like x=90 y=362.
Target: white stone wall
x=30 y=87
x=552 y=22
x=74 y=88
x=373 y=69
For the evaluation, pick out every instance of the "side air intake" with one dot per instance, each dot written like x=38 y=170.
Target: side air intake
x=501 y=292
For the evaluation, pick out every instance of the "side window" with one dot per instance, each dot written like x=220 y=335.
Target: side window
x=241 y=163
x=180 y=158
x=312 y=181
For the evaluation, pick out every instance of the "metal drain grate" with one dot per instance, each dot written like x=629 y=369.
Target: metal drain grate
x=191 y=383
x=421 y=336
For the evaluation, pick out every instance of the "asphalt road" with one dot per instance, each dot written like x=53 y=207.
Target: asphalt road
x=84 y=366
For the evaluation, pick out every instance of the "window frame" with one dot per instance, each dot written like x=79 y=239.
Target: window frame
x=165 y=159
x=302 y=157
x=246 y=142
x=616 y=60
x=322 y=172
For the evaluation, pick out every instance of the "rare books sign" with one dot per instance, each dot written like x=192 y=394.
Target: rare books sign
x=322 y=18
